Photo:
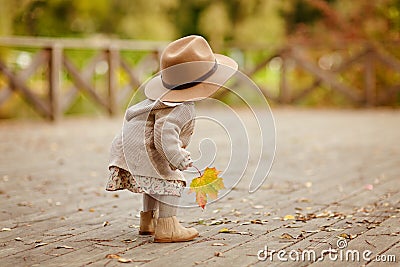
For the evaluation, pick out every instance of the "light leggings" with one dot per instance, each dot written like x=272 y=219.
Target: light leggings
x=152 y=202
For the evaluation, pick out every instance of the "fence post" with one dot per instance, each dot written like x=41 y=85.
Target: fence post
x=113 y=65
x=283 y=84
x=55 y=67
x=370 y=79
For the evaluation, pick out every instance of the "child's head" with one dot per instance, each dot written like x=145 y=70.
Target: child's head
x=190 y=71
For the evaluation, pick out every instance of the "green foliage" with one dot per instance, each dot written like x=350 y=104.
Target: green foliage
x=242 y=22
x=300 y=12
x=221 y=21
x=228 y=25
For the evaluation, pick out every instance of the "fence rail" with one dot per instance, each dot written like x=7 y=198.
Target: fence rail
x=50 y=54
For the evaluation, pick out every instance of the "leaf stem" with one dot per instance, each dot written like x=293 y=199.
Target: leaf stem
x=197 y=170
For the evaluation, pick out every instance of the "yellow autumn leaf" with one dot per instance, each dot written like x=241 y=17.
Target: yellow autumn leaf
x=288 y=217
x=344 y=235
x=206 y=186
x=112 y=256
x=286 y=236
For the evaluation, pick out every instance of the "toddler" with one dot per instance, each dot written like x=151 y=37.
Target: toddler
x=149 y=154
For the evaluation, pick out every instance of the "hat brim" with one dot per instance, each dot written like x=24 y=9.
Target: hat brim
x=227 y=67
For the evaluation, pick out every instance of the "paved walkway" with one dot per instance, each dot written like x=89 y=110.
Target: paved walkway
x=336 y=174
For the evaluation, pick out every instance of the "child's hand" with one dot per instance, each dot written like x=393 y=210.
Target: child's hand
x=186 y=163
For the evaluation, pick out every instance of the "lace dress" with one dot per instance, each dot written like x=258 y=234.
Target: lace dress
x=120 y=179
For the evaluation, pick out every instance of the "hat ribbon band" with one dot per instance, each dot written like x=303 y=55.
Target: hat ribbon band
x=193 y=83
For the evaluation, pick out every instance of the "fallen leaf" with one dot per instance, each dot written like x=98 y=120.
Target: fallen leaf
x=206 y=186
x=333 y=229
x=288 y=217
x=226 y=231
x=242 y=233
x=216 y=222
x=344 y=235
x=286 y=236
x=200 y=221
x=24 y=204
x=322 y=214
x=303 y=199
x=5 y=229
x=112 y=256
x=302 y=218
x=64 y=246
x=129 y=240
x=292 y=226
x=218 y=244
x=40 y=244
x=123 y=260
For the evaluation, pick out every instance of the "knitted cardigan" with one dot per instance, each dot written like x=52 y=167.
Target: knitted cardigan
x=153 y=139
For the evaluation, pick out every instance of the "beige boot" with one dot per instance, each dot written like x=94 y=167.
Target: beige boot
x=147 y=222
x=170 y=230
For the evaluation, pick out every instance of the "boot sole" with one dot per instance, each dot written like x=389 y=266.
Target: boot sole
x=145 y=233
x=156 y=240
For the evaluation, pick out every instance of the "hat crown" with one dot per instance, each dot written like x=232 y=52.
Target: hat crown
x=187 y=49
x=185 y=60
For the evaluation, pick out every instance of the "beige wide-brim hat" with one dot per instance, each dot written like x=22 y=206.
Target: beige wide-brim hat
x=190 y=71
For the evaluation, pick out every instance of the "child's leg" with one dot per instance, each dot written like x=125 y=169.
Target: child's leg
x=149 y=203
x=168 y=206
x=148 y=215
x=168 y=228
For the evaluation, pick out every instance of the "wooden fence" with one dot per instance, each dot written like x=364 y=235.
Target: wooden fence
x=51 y=54
x=364 y=62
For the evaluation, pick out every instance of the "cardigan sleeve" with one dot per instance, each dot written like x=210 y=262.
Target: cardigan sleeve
x=167 y=130
x=186 y=133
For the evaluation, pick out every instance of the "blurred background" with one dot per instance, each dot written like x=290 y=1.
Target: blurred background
x=64 y=57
